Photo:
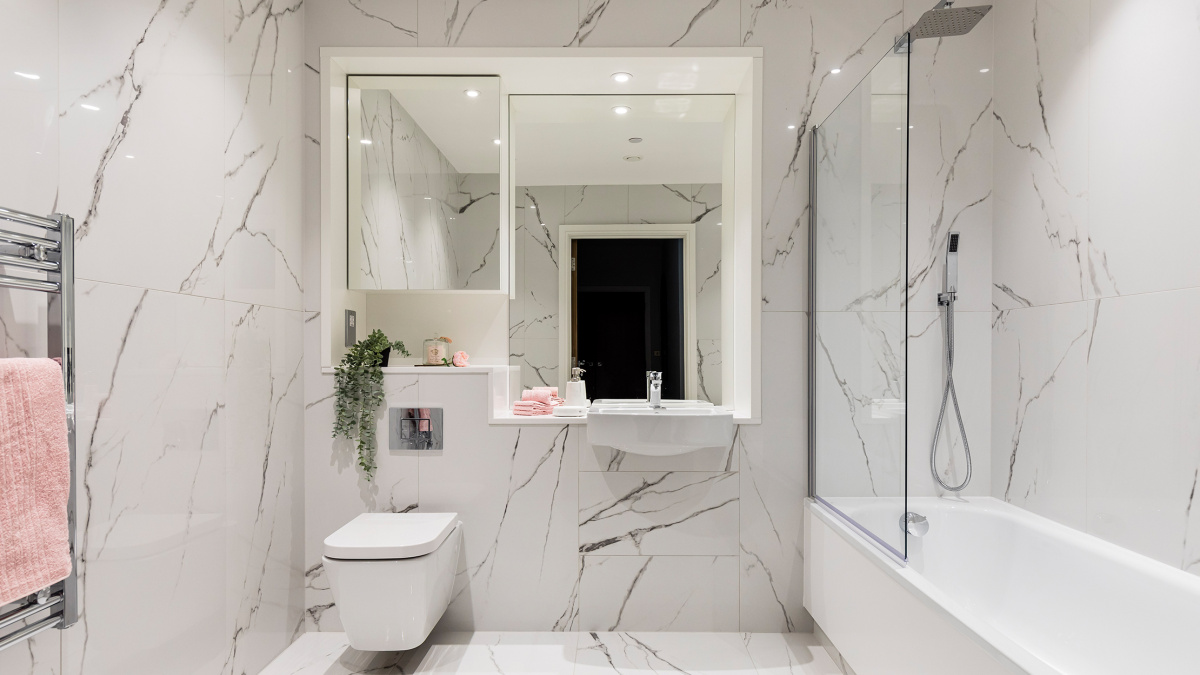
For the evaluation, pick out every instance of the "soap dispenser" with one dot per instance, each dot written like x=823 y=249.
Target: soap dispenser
x=576 y=403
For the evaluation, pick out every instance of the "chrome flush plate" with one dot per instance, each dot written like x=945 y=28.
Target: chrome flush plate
x=415 y=428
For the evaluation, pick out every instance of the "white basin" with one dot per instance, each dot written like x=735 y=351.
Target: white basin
x=676 y=428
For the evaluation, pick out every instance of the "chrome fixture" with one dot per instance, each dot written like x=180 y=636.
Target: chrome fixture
x=654 y=388
x=51 y=253
x=945 y=20
x=415 y=429
x=915 y=524
x=946 y=299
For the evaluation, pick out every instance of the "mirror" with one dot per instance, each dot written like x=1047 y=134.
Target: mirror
x=618 y=241
x=423 y=183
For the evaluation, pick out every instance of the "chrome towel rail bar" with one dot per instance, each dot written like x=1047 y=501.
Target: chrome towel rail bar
x=29 y=219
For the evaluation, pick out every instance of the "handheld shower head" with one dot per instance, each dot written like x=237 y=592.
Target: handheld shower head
x=952 y=263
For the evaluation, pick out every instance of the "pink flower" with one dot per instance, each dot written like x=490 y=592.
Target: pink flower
x=460 y=359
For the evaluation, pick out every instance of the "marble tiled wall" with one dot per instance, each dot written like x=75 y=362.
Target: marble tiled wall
x=1096 y=294
x=171 y=132
x=533 y=315
x=424 y=224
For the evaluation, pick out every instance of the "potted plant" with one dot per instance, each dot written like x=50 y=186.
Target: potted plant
x=359 y=391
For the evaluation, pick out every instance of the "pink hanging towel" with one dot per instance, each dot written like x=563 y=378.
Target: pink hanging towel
x=35 y=477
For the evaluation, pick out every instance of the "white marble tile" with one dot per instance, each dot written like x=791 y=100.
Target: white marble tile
x=660 y=204
x=658 y=593
x=38 y=655
x=926 y=385
x=496 y=23
x=706 y=213
x=1141 y=191
x=539 y=363
x=950 y=167
x=1142 y=430
x=603 y=458
x=1043 y=249
x=596 y=205
x=538 y=286
x=708 y=367
x=669 y=23
x=516 y=493
x=264 y=404
x=723 y=653
x=658 y=513
x=357 y=23
x=152 y=469
x=1039 y=409
x=773 y=484
x=802 y=45
x=155 y=72
x=331 y=654
x=790 y=654
x=860 y=388
x=29 y=175
x=467 y=653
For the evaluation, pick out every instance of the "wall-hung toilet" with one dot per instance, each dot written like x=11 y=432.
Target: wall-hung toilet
x=392 y=575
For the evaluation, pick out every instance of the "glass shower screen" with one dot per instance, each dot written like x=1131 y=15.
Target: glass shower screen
x=857 y=258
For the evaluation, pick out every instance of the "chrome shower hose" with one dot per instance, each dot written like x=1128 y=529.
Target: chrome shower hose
x=949 y=394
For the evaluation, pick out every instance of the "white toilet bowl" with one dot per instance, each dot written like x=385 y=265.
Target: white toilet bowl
x=392 y=575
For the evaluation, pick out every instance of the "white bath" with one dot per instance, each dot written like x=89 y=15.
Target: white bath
x=994 y=589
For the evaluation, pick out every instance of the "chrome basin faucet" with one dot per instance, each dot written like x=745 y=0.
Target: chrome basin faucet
x=654 y=388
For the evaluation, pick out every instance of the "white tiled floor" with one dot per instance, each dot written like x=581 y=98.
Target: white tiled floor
x=565 y=653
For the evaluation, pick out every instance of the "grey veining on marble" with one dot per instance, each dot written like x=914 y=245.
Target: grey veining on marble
x=422 y=224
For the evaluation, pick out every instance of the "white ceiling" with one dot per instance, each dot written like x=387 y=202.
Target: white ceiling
x=463 y=128
x=579 y=140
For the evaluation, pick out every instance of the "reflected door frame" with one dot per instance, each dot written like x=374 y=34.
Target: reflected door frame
x=568 y=234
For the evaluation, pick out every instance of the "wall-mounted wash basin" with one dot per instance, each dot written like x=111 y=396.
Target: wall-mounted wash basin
x=676 y=428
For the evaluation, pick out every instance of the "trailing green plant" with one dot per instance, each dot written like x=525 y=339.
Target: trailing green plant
x=359 y=390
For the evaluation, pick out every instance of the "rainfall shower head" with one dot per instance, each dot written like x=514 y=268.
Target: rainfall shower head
x=952 y=263
x=948 y=21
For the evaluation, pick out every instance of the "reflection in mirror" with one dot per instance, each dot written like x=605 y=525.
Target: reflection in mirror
x=619 y=241
x=423 y=183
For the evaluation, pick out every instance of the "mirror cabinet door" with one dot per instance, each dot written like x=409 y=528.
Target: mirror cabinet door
x=423 y=182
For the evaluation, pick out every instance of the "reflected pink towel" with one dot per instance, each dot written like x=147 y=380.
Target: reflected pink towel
x=35 y=477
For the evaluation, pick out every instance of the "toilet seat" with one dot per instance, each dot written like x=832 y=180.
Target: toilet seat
x=383 y=536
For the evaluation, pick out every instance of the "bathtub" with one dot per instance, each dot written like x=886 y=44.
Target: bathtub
x=994 y=589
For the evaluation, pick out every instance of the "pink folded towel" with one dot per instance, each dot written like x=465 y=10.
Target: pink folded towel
x=532 y=408
x=553 y=390
x=35 y=477
x=539 y=395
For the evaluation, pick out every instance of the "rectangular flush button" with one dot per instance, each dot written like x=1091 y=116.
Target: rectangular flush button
x=414 y=428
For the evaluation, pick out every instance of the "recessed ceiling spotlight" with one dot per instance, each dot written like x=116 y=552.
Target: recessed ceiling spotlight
x=472 y=93
x=364 y=141
x=984 y=70
x=496 y=141
x=633 y=158
x=88 y=106
x=835 y=71
x=28 y=76
x=621 y=77
x=621 y=109
x=791 y=126
x=635 y=139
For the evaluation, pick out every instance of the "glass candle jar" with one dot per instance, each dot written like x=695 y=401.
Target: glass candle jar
x=437 y=352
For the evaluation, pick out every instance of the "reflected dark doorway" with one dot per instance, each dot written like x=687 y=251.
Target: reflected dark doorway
x=628 y=314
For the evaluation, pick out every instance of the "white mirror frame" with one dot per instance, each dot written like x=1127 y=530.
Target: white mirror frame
x=554 y=70
x=686 y=232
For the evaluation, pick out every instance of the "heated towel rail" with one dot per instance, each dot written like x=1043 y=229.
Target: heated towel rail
x=46 y=247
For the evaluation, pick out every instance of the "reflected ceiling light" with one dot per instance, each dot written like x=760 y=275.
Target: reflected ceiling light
x=791 y=126
x=635 y=139
x=984 y=70
x=632 y=158
x=28 y=76
x=532 y=207
x=429 y=198
x=472 y=93
x=835 y=71
x=621 y=77
x=88 y=106
x=621 y=109
x=364 y=141
x=128 y=156
x=496 y=141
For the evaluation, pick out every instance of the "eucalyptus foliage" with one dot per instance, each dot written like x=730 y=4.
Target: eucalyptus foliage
x=359 y=390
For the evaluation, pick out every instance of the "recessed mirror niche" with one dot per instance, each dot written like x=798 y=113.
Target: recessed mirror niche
x=423 y=182
x=618 y=239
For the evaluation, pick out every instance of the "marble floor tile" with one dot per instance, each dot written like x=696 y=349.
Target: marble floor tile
x=693 y=653
x=659 y=593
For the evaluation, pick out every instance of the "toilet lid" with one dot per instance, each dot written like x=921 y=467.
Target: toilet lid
x=387 y=536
